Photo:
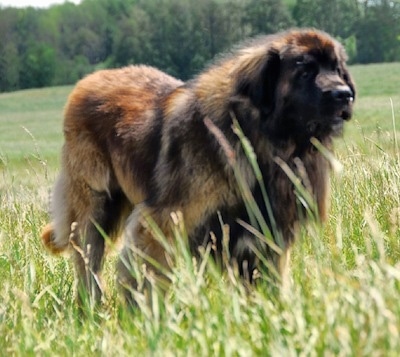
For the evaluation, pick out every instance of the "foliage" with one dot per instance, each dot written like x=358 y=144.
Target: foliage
x=379 y=32
x=179 y=36
x=336 y=17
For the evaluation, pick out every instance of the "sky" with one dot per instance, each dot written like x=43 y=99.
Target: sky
x=34 y=3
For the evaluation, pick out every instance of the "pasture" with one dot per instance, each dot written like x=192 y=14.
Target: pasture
x=345 y=276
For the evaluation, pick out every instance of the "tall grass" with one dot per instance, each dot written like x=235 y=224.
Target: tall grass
x=345 y=276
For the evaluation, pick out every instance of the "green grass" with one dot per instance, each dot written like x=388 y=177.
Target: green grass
x=378 y=96
x=30 y=125
x=345 y=276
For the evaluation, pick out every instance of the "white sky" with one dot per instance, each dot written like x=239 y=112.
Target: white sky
x=34 y=3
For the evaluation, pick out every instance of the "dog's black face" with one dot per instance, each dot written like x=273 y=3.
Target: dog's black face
x=302 y=89
x=317 y=96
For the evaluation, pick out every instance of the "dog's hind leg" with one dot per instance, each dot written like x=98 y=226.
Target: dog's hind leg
x=78 y=214
x=146 y=235
x=88 y=243
x=82 y=220
x=99 y=221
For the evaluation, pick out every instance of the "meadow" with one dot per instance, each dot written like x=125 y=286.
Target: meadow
x=345 y=276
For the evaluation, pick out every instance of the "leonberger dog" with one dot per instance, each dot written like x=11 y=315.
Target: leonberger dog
x=142 y=148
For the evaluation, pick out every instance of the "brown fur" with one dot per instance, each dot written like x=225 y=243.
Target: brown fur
x=140 y=144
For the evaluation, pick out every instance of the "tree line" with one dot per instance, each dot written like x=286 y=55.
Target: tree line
x=59 y=45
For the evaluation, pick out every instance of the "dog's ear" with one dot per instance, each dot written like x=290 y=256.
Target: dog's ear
x=257 y=79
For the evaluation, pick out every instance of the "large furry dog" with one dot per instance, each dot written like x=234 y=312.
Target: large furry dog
x=140 y=145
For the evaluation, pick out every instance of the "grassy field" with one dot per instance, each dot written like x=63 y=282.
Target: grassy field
x=345 y=279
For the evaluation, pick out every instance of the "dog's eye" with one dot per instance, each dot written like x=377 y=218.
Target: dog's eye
x=308 y=71
x=306 y=68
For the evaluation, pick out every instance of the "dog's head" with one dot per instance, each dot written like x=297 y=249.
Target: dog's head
x=299 y=83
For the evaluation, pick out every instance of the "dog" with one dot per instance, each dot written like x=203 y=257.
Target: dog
x=141 y=145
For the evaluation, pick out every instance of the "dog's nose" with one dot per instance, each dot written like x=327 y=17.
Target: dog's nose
x=342 y=94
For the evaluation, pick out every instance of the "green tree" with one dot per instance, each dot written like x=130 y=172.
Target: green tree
x=132 y=41
x=221 y=24
x=378 y=32
x=9 y=67
x=267 y=16
x=337 y=17
x=9 y=56
x=38 y=66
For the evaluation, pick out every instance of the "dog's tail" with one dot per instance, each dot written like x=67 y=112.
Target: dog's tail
x=49 y=241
